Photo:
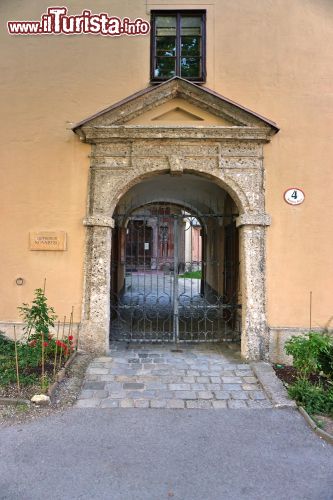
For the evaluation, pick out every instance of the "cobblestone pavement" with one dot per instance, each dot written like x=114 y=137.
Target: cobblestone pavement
x=155 y=376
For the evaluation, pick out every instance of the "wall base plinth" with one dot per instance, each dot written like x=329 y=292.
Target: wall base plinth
x=93 y=338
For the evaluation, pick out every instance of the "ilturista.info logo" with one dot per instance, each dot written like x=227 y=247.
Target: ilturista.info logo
x=56 y=21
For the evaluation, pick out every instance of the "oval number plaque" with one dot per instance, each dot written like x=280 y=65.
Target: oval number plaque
x=294 y=196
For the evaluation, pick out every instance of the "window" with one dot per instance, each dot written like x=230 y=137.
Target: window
x=178 y=45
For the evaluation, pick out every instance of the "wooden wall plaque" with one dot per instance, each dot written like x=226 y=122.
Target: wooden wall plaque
x=47 y=240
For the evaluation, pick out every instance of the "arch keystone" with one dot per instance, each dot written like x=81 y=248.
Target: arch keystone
x=176 y=167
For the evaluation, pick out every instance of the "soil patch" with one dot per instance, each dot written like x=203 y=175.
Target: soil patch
x=64 y=397
x=288 y=375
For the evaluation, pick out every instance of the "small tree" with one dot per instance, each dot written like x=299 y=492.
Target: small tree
x=38 y=318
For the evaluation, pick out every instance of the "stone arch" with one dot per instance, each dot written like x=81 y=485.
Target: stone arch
x=191 y=208
x=226 y=183
x=201 y=202
x=95 y=323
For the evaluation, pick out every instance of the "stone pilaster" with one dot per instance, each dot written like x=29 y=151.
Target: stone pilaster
x=254 y=343
x=96 y=309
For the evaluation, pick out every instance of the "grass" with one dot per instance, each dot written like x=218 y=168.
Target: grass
x=22 y=408
x=191 y=274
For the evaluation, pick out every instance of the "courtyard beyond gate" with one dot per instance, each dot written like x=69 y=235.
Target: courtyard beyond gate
x=175 y=274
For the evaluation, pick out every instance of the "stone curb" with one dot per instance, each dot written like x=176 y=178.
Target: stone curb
x=272 y=385
x=60 y=375
x=323 y=434
x=14 y=401
x=277 y=393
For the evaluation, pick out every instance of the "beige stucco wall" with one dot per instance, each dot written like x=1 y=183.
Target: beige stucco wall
x=272 y=57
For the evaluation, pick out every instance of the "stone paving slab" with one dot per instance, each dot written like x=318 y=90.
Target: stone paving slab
x=163 y=376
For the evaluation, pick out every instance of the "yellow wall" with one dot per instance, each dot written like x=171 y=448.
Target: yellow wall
x=273 y=57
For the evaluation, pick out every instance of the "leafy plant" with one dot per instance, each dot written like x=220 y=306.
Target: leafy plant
x=7 y=346
x=39 y=354
x=27 y=364
x=312 y=353
x=314 y=398
x=325 y=358
x=313 y=359
x=39 y=317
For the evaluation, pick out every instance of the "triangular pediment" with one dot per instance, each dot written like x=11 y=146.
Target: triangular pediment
x=178 y=115
x=178 y=111
x=176 y=102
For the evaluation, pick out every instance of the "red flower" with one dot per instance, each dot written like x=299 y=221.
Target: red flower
x=62 y=345
x=45 y=344
x=33 y=343
x=70 y=337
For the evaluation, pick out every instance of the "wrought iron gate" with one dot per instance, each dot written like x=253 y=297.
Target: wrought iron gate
x=174 y=276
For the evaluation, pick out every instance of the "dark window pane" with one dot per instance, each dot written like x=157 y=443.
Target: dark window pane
x=190 y=67
x=165 y=67
x=165 y=31
x=166 y=46
x=191 y=45
x=166 y=21
x=166 y=26
x=191 y=25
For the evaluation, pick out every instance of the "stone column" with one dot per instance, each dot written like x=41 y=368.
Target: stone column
x=254 y=342
x=96 y=308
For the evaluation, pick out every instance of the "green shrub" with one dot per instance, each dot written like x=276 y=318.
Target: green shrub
x=28 y=360
x=39 y=317
x=325 y=359
x=7 y=346
x=312 y=353
x=314 y=398
x=8 y=375
x=38 y=352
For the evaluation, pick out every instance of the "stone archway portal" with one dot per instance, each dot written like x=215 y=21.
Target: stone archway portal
x=133 y=140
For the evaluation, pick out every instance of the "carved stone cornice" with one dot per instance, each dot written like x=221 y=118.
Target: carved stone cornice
x=253 y=219
x=98 y=220
x=102 y=133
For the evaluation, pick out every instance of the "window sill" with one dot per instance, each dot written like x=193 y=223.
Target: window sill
x=196 y=82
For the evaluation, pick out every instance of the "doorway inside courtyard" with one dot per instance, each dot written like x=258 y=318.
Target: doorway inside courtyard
x=175 y=269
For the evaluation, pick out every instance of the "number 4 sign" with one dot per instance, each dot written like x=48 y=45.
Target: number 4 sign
x=294 y=196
